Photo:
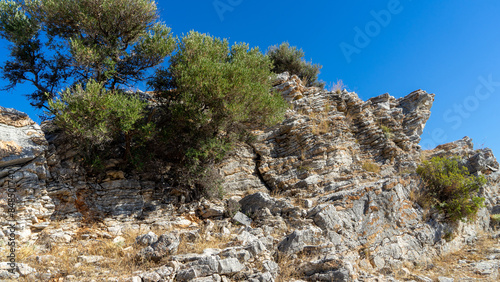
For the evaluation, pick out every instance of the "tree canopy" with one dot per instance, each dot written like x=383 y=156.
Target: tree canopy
x=212 y=87
x=61 y=43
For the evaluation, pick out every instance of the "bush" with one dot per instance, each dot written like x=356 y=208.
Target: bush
x=450 y=188
x=291 y=59
x=94 y=117
x=212 y=92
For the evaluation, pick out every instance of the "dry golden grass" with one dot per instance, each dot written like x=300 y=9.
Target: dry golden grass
x=200 y=243
x=321 y=123
x=337 y=87
x=287 y=268
x=425 y=155
x=119 y=258
x=449 y=266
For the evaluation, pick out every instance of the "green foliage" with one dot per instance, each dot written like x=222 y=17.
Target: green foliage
x=387 y=132
x=291 y=59
x=15 y=25
x=212 y=90
x=450 y=188
x=57 y=43
x=94 y=117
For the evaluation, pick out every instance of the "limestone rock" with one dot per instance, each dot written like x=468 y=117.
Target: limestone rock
x=90 y=259
x=21 y=140
x=229 y=265
x=242 y=219
x=146 y=239
x=166 y=244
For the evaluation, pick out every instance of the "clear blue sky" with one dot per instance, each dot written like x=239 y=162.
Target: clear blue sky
x=450 y=48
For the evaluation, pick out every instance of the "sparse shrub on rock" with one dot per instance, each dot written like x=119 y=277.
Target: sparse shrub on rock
x=289 y=58
x=450 y=188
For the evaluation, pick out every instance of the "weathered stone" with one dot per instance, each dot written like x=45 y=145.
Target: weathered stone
x=166 y=244
x=61 y=237
x=256 y=247
x=487 y=267
x=16 y=138
x=229 y=265
x=421 y=278
x=186 y=274
x=90 y=259
x=242 y=219
x=296 y=241
x=24 y=269
x=212 y=211
x=165 y=271
x=151 y=277
x=146 y=239
x=255 y=202
x=136 y=279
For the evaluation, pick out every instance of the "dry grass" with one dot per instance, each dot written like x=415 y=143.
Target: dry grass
x=449 y=266
x=287 y=268
x=203 y=242
x=118 y=258
x=387 y=131
x=321 y=124
x=337 y=87
x=425 y=155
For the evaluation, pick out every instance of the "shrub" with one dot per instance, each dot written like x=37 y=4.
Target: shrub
x=291 y=59
x=212 y=92
x=450 y=188
x=94 y=117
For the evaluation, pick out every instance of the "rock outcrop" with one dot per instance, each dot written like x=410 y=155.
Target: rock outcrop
x=327 y=195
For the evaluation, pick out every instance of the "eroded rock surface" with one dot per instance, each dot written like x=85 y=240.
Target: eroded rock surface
x=327 y=195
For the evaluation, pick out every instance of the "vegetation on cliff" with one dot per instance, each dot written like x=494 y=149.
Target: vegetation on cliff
x=450 y=188
x=291 y=59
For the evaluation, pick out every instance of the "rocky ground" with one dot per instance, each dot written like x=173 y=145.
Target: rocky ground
x=328 y=195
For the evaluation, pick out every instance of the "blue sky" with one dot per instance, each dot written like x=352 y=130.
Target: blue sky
x=449 y=48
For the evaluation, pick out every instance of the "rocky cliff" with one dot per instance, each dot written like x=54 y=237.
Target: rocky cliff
x=327 y=195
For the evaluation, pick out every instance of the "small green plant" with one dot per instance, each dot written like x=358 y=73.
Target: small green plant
x=387 y=132
x=371 y=167
x=495 y=218
x=495 y=221
x=304 y=168
x=450 y=188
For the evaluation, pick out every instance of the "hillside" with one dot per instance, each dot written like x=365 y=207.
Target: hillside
x=330 y=194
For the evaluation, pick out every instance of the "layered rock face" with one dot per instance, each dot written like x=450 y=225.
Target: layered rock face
x=24 y=173
x=332 y=189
